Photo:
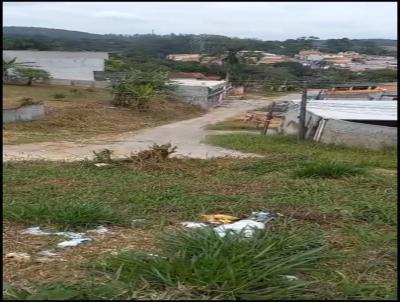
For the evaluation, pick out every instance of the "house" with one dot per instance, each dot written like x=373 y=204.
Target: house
x=362 y=123
x=205 y=93
x=185 y=57
x=356 y=91
x=62 y=65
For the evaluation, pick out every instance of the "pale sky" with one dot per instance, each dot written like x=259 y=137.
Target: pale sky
x=262 y=20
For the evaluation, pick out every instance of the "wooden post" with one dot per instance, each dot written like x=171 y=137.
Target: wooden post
x=302 y=116
x=268 y=118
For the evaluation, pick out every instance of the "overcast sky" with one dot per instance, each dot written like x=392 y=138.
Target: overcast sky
x=263 y=20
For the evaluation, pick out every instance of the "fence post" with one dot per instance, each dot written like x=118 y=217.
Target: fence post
x=302 y=116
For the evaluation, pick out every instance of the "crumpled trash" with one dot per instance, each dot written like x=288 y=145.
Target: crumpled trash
x=219 y=218
x=193 y=225
x=261 y=216
x=73 y=242
x=35 y=231
x=99 y=230
x=291 y=278
x=75 y=238
x=101 y=164
x=137 y=222
x=19 y=257
x=247 y=226
x=47 y=253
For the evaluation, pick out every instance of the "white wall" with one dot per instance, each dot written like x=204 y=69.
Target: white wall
x=71 y=65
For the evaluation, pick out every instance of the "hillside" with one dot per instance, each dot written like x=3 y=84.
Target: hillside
x=16 y=37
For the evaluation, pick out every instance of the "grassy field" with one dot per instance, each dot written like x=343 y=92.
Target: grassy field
x=82 y=114
x=337 y=234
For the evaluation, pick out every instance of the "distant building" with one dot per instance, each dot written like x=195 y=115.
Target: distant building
x=361 y=123
x=185 y=57
x=199 y=92
x=62 y=65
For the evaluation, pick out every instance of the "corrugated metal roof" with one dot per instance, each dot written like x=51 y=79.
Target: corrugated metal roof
x=353 y=109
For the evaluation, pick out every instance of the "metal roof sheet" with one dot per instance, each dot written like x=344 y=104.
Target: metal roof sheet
x=353 y=109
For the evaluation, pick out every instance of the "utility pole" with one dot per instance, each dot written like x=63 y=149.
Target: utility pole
x=302 y=116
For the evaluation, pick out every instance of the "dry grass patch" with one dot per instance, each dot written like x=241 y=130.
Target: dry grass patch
x=71 y=264
x=86 y=115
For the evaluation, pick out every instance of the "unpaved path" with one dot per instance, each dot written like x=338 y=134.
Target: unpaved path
x=187 y=135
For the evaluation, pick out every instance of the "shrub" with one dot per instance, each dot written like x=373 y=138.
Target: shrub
x=229 y=267
x=330 y=169
x=75 y=91
x=59 y=96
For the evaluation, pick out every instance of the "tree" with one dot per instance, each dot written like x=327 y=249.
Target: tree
x=31 y=74
x=231 y=60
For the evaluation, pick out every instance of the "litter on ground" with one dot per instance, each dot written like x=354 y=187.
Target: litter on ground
x=193 y=225
x=75 y=238
x=219 y=218
x=73 y=242
x=19 y=257
x=47 y=253
x=246 y=227
x=99 y=230
x=101 y=164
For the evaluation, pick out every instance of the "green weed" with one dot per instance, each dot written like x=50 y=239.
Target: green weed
x=223 y=268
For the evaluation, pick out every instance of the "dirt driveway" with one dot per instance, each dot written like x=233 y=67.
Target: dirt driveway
x=187 y=135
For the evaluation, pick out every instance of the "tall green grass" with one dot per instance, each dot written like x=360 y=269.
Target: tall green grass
x=223 y=268
x=328 y=169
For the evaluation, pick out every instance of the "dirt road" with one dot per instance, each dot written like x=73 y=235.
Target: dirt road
x=187 y=135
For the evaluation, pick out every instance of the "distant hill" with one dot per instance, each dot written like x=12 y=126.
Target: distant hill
x=19 y=37
x=48 y=32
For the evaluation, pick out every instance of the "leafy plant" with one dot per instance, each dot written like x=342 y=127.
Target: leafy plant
x=31 y=74
x=136 y=88
x=156 y=153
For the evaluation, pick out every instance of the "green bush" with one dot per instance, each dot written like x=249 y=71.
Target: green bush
x=59 y=96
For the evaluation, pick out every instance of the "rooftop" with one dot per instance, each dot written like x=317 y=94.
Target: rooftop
x=194 y=82
x=353 y=109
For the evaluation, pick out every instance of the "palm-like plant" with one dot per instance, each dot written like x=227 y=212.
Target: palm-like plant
x=13 y=64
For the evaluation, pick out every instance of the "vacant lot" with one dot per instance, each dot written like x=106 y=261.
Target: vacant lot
x=78 y=114
x=342 y=200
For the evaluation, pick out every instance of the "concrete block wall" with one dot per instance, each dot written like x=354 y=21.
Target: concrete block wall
x=23 y=114
x=358 y=134
x=195 y=95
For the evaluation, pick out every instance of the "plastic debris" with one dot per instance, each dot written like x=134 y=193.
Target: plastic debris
x=101 y=164
x=291 y=278
x=19 y=257
x=247 y=226
x=98 y=230
x=47 y=253
x=44 y=260
x=35 y=231
x=193 y=225
x=261 y=216
x=220 y=218
x=73 y=242
x=137 y=222
x=75 y=238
